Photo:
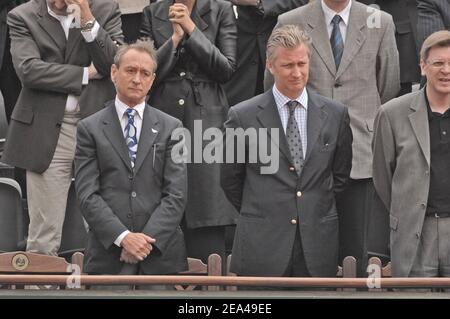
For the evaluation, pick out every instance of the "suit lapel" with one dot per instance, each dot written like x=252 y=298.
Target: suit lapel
x=316 y=118
x=113 y=132
x=163 y=26
x=319 y=35
x=51 y=26
x=356 y=36
x=147 y=137
x=270 y=118
x=420 y=125
x=201 y=8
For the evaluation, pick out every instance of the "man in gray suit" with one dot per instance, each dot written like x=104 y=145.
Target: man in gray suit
x=132 y=192
x=354 y=61
x=411 y=167
x=62 y=51
x=288 y=223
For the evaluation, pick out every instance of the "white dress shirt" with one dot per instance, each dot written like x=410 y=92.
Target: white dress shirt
x=329 y=15
x=301 y=113
x=68 y=22
x=123 y=118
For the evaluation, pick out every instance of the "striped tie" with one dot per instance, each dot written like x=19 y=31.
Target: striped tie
x=130 y=136
x=336 y=41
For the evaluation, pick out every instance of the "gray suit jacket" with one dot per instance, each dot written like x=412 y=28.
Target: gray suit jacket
x=268 y=202
x=113 y=197
x=433 y=15
x=51 y=67
x=401 y=173
x=368 y=75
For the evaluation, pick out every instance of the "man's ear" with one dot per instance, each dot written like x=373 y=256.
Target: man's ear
x=114 y=70
x=269 y=66
x=422 y=67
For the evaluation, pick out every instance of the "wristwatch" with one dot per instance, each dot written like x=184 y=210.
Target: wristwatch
x=88 y=26
x=259 y=6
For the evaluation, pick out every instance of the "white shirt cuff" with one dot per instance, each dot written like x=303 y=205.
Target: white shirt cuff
x=85 y=76
x=89 y=36
x=119 y=239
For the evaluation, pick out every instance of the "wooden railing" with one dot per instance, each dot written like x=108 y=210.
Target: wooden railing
x=225 y=281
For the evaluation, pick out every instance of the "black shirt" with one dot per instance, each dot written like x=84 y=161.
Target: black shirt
x=439 y=194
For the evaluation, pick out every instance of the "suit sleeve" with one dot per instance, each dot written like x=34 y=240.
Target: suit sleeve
x=32 y=70
x=277 y=7
x=217 y=60
x=383 y=146
x=103 y=49
x=36 y=73
x=100 y=217
x=342 y=162
x=388 y=64
x=232 y=173
x=167 y=216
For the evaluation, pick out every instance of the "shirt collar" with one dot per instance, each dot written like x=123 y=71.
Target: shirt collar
x=122 y=107
x=281 y=99
x=329 y=13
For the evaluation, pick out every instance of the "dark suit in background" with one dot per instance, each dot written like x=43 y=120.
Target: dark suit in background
x=9 y=82
x=404 y=13
x=433 y=15
x=105 y=184
x=131 y=17
x=188 y=86
x=254 y=29
x=272 y=206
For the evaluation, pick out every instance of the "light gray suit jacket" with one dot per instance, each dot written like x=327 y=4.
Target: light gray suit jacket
x=150 y=198
x=369 y=73
x=401 y=173
x=51 y=67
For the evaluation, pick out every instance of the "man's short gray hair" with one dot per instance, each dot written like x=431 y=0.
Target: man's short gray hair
x=289 y=36
x=145 y=46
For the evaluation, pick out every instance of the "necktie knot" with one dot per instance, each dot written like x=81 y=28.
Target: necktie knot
x=130 y=113
x=292 y=105
x=336 y=19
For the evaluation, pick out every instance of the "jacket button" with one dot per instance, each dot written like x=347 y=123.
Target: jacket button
x=423 y=205
x=336 y=85
x=133 y=194
x=294 y=221
x=129 y=215
x=181 y=101
x=182 y=74
x=292 y=168
x=130 y=176
x=299 y=194
x=418 y=235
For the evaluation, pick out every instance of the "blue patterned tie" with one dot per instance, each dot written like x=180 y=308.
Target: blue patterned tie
x=130 y=135
x=337 y=43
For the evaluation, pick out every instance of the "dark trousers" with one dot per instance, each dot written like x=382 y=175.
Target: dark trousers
x=130 y=26
x=295 y=268
x=354 y=207
x=204 y=241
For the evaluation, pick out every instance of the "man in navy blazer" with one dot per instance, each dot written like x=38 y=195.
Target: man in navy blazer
x=288 y=222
